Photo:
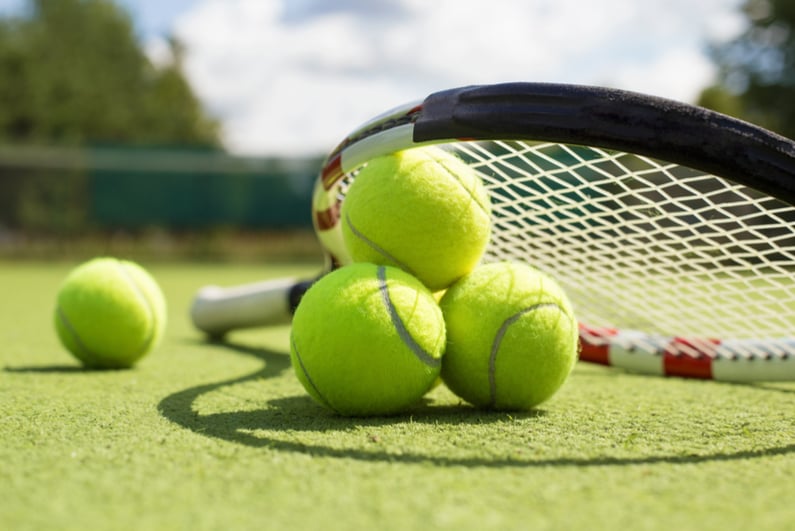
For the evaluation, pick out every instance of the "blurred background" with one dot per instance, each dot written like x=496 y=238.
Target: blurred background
x=194 y=128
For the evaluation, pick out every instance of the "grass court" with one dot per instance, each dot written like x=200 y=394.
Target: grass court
x=208 y=436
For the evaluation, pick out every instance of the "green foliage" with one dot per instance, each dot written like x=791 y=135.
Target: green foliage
x=757 y=79
x=718 y=98
x=71 y=72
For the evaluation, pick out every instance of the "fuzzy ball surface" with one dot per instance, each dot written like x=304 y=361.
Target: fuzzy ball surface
x=422 y=210
x=109 y=313
x=367 y=340
x=512 y=337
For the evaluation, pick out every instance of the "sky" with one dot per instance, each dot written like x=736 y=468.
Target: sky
x=293 y=77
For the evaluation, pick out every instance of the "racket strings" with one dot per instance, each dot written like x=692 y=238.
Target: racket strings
x=644 y=245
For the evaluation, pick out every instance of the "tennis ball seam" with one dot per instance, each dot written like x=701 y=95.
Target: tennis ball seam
x=457 y=178
x=400 y=326
x=73 y=333
x=495 y=347
x=309 y=378
x=374 y=246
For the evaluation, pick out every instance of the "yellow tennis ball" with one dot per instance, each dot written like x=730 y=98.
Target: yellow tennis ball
x=109 y=313
x=367 y=340
x=512 y=337
x=422 y=210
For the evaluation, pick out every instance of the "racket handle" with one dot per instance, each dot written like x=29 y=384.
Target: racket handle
x=218 y=310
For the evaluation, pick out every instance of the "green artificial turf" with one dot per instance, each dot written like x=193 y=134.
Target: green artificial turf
x=222 y=436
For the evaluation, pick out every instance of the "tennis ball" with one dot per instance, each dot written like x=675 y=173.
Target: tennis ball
x=512 y=337
x=422 y=210
x=367 y=340
x=109 y=313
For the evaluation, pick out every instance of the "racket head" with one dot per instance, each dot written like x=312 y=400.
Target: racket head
x=670 y=226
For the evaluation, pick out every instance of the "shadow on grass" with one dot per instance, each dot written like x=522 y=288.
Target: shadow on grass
x=302 y=414
x=44 y=369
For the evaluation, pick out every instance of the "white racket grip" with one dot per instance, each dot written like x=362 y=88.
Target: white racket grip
x=218 y=310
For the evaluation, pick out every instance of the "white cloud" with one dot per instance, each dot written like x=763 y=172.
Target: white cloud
x=294 y=76
x=678 y=73
x=11 y=7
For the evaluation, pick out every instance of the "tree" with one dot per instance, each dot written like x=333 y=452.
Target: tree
x=757 y=69
x=72 y=72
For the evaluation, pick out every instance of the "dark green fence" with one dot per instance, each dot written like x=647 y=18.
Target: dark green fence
x=131 y=188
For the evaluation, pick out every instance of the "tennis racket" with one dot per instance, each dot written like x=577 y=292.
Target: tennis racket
x=671 y=227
